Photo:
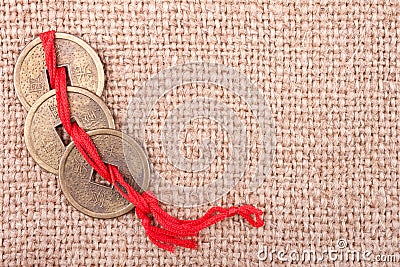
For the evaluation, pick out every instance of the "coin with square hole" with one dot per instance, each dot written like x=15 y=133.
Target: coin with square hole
x=87 y=191
x=83 y=67
x=45 y=137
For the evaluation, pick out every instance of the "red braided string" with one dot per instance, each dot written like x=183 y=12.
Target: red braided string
x=162 y=229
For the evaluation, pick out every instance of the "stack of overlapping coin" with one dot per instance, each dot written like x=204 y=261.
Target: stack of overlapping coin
x=50 y=146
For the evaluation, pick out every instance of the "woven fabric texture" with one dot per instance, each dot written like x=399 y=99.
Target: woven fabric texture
x=329 y=71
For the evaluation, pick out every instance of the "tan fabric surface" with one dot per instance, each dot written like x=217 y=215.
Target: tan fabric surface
x=330 y=72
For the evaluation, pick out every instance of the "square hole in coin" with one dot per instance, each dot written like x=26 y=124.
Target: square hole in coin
x=62 y=134
x=66 y=73
x=97 y=179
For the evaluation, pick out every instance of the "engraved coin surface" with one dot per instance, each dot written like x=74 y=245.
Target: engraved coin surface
x=44 y=136
x=84 y=68
x=88 y=191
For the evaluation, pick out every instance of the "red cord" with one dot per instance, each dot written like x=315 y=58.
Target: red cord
x=162 y=229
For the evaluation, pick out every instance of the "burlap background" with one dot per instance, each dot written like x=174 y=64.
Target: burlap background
x=330 y=72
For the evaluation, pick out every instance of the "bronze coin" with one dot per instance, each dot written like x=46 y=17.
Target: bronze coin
x=43 y=130
x=88 y=191
x=84 y=68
